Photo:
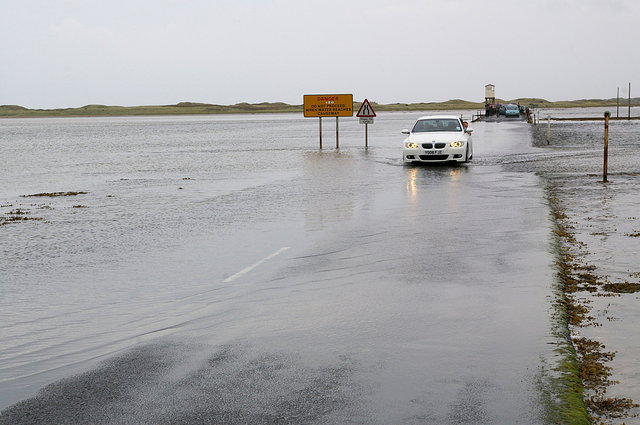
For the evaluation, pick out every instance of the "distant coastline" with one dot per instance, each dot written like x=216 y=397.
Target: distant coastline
x=191 y=108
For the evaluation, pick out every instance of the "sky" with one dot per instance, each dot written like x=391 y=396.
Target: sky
x=71 y=53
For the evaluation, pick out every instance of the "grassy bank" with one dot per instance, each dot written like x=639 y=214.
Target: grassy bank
x=568 y=407
x=190 y=108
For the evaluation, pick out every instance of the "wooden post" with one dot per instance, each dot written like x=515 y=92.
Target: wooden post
x=606 y=146
x=629 y=114
x=320 y=121
x=618 y=103
x=337 y=135
x=548 y=129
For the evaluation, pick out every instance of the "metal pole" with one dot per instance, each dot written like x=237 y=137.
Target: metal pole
x=618 y=103
x=366 y=135
x=606 y=146
x=629 y=114
x=320 y=121
x=337 y=135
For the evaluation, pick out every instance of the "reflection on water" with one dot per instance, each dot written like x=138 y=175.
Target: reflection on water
x=330 y=179
x=455 y=173
x=412 y=187
x=418 y=178
x=333 y=180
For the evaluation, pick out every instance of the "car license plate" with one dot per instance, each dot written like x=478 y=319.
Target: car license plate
x=433 y=152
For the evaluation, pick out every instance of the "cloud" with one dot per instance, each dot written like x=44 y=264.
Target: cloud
x=229 y=51
x=71 y=29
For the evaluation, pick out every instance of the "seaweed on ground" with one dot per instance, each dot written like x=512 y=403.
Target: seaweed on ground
x=17 y=215
x=54 y=194
x=622 y=287
x=13 y=219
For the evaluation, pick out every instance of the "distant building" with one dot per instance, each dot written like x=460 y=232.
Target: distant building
x=490 y=99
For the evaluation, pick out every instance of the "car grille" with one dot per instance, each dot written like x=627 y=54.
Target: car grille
x=431 y=146
x=433 y=157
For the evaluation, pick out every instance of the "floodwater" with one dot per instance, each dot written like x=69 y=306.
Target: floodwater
x=605 y=221
x=223 y=269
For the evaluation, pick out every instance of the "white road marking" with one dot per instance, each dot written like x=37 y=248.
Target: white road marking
x=253 y=266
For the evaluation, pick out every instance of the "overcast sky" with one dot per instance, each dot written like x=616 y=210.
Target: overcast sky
x=69 y=53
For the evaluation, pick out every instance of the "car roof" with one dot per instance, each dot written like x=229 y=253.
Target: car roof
x=433 y=117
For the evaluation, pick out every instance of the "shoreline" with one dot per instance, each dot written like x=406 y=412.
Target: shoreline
x=192 y=108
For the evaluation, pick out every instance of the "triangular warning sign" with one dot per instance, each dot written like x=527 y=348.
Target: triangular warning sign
x=366 y=111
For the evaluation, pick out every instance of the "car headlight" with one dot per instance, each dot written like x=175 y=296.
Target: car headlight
x=411 y=145
x=456 y=144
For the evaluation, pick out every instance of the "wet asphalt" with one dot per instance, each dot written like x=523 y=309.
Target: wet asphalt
x=350 y=289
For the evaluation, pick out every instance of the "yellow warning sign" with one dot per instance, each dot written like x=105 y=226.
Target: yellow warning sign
x=328 y=105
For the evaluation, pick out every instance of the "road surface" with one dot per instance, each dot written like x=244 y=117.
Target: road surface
x=339 y=287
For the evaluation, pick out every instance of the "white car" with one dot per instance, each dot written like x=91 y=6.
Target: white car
x=438 y=138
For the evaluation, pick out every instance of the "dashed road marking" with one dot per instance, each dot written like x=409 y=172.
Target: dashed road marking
x=253 y=266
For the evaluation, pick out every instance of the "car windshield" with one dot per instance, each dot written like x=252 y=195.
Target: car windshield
x=439 y=124
x=512 y=106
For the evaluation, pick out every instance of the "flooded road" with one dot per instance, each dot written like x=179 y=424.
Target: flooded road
x=224 y=270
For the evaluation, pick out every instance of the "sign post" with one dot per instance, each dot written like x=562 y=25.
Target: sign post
x=366 y=115
x=328 y=105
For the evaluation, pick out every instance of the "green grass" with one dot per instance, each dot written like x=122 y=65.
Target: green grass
x=566 y=405
x=190 y=108
x=571 y=408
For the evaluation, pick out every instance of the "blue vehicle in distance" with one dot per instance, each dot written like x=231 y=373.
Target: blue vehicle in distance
x=512 y=110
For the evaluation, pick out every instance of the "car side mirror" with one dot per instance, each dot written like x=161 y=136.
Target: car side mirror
x=406 y=131
x=469 y=130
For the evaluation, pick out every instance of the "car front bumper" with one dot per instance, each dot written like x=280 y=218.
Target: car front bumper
x=447 y=154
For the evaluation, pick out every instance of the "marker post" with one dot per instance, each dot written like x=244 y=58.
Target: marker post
x=605 y=164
